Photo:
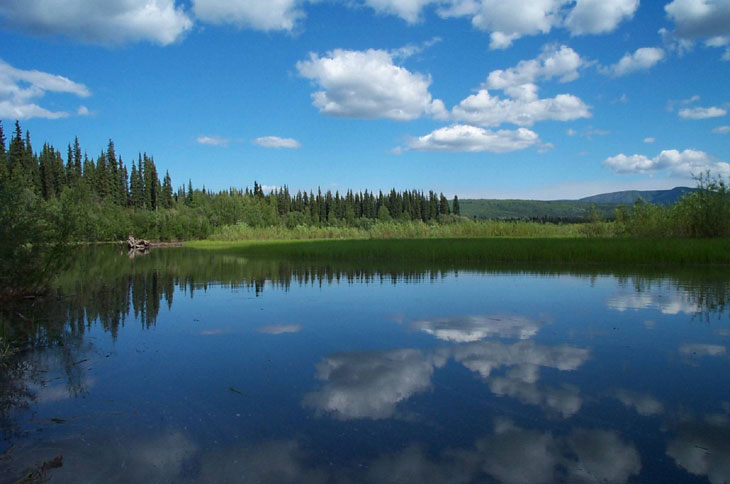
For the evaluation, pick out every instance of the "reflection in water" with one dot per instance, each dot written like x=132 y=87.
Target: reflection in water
x=511 y=454
x=467 y=329
x=280 y=328
x=643 y=403
x=523 y=360
x=702 y=350
x=221 y=409
x=370 y=384
x=632 y=300
x=702 y=448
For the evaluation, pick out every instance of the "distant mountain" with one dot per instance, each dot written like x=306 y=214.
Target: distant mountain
x=630 y=196
x=564 y=210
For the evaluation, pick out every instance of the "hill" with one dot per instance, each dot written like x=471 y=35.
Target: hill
x=565 y=210
x=630 y=196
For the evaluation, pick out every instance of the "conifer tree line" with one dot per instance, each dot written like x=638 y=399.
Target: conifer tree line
x=107 y=197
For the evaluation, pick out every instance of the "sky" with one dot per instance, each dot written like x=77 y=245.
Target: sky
x=536 y=99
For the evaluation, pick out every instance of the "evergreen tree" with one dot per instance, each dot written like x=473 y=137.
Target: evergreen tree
x=443 y=205
x=77 y=159
x=167 y=191
x=456 y=209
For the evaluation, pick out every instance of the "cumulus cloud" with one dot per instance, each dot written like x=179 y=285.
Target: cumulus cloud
x=408 y=10
x=213 y=140
x=20 y=88
x=276 y=142
x=108 y=22
x=271 y=15
x=523 y=106
x=599 y=16
x=557 y=61
x=508 y=21
x=699 y=18
x=641 y=60
x=702 y=113
x=523 y=110
x=467 y=329
x=682 y=163
x=367 y=84
x=369 y=384
x=721 y=130
x=696 y=19
x=462 y=137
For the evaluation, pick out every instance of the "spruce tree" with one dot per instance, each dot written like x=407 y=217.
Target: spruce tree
x=456 y=209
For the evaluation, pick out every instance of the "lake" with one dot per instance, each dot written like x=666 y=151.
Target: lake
x=192 y=366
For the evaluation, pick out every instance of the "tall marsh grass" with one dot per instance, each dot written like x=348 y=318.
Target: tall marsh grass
x=400 y=230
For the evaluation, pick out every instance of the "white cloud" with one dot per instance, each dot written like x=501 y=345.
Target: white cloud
x=462 y=137
x=525 y=110
x=508 y=21
x=649 y=139
x=408 y=10
x=599 y=16
x=276 y=142
x=672 y=102
x=368 y=85
x=702 y=113
x=466 y=329
x=255 y=14
x=554 y=61
x=109 y=22
x=721 y=130
x=213 y=140
x=19 y=88
x=684 y=163
x=709 y=19
x=643 y=59
x=83 y=111
x=700 y=18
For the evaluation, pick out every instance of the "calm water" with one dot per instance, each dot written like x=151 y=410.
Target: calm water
x=181 y=366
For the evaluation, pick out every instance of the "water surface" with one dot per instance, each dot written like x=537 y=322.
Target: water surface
x=185 y=366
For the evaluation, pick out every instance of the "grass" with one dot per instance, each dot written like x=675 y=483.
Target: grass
x=475 y=250
x=398 y=230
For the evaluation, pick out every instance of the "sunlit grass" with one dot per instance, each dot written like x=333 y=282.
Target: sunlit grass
x=490 y=250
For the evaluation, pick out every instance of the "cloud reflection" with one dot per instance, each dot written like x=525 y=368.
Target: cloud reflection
x=280 y=328
x=643 y=403
x=702 y=350
x=703 y=449
x=370 y=384
x=468 y=329
x=666 y=303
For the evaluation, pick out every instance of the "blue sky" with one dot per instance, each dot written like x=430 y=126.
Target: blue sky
x=541 y=99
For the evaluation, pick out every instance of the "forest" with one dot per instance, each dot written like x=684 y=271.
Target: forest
x=51 y=199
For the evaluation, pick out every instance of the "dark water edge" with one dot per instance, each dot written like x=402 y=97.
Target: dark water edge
x=191 y=366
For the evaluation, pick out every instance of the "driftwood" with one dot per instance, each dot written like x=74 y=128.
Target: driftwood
x=138 y=245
